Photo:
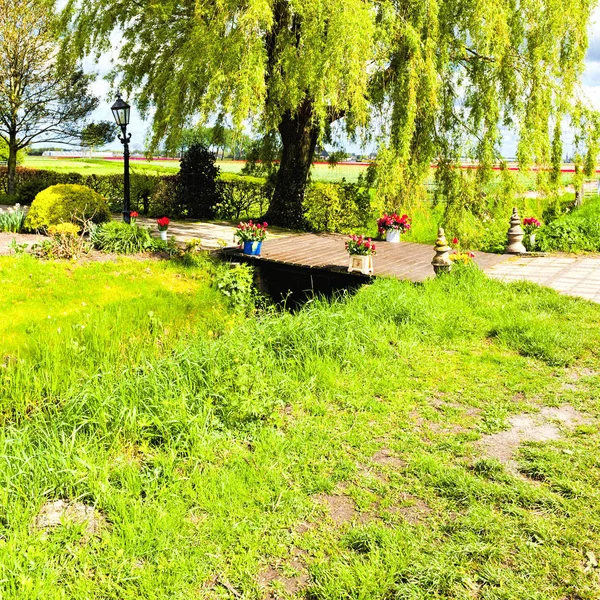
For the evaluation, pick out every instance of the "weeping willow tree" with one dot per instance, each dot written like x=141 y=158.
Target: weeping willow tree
x=288 y=67
x=444 y=76
x=460 y=73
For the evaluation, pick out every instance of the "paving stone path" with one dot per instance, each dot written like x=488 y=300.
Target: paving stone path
x=571 y=275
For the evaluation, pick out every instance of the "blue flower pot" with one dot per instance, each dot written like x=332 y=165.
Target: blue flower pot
x=252 y=248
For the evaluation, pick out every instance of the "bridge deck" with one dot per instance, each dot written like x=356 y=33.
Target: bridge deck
x=327 y=252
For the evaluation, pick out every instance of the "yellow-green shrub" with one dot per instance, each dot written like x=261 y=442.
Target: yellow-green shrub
x=66 y=203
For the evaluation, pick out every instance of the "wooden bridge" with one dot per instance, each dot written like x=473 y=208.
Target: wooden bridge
x=319 y=263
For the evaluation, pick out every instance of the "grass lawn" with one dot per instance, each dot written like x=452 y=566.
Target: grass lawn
x=333 y=453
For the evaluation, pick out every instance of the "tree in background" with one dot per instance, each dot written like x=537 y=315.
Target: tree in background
x=445 y=76
x=42 y=99
x=197 y=192
x=98 y=134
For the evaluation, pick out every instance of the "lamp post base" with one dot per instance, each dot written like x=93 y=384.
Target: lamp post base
x=127 y=216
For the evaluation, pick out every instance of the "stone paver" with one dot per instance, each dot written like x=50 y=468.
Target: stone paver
x=212 y=235
x=571 y=275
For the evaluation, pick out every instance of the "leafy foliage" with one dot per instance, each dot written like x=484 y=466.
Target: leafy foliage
x=337 y=207
x=444 y=76
x=575 y=231
x=66 y=203
x=42 y=98
x=197 y=192
x=98 y=134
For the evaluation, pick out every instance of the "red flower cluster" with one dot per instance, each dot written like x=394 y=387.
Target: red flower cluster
x=163 y=223
x=251 y=232
x=357 y=245
x=134 y=215
x=531 y=224
x=401 y=223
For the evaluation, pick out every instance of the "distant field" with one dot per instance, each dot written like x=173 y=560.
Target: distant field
x=320 y=172
x=98 y=166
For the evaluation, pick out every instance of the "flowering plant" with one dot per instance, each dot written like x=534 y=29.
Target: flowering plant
x=133 y=215
x=163 y=223
x=461 y=256
x=531 y=224
x=251 y=232
x=387 y=222
x=357 y=245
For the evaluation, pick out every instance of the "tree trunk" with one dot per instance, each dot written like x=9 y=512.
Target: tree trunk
x=12 y=167
x=299 y=139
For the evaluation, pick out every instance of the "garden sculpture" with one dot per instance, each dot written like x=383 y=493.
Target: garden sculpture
x=441 y=261
x=515 y=235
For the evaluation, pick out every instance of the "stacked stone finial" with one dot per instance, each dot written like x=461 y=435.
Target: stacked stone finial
x=515 y=235
x=441 y=261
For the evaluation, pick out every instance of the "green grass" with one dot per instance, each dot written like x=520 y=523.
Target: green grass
x=96 y=166
x=207 y=441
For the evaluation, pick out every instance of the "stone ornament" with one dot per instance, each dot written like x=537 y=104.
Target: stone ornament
x=515 y=235
x=441 y=261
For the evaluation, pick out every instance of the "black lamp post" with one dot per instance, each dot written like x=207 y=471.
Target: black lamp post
x=121 y=111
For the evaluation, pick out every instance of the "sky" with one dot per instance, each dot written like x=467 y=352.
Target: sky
x=590 y=88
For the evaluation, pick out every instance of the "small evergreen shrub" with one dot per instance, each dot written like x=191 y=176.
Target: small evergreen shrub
x=66 y=203
x=124 y=238
x=197 y=190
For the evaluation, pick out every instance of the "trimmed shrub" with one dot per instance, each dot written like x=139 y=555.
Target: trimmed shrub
x=164 y=197
x=64 y=203
x=197 y=192
x=124 y=238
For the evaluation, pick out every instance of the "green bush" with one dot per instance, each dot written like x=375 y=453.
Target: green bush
x=338 y=207
x=66 y=203
x=577 y=231
x=241 y=198
x=124 y=238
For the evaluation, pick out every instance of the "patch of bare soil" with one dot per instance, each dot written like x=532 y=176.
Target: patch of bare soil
x=341 y=508
x=413 y=509
x=60 y=512
x=6 y=239
x=531 y=427
x=577 y=373
x=275 y=578
x=386 y=458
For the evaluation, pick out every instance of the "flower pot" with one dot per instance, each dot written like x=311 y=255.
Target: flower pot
x=393 y=236
x=163 y=235
x=252 y=248
x=531 y=241
x=362 y=264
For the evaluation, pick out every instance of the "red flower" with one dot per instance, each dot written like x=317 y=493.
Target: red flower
x=163 y=222
x=455 y=241
x=134 y=214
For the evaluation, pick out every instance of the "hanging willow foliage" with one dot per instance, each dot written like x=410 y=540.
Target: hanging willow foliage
x=445 y=75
